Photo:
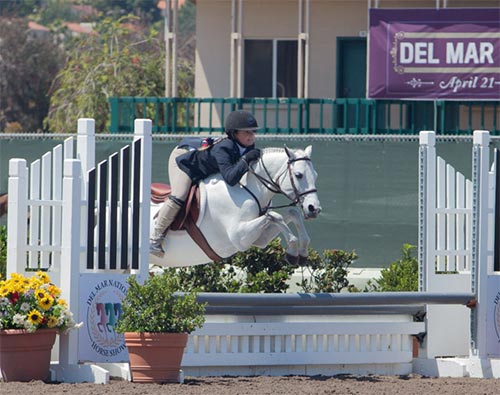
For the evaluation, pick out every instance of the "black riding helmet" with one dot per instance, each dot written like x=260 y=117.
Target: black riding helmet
x=239 y=120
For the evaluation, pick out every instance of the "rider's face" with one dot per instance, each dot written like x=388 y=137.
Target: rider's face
x=245 y=137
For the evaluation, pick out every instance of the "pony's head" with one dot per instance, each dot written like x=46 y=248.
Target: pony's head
x=300 y=182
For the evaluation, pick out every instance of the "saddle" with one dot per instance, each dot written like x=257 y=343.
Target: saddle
x=160 y=192
x=187 y=216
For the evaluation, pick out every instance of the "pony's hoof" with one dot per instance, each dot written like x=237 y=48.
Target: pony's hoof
x=292 y=260
x=302 y=261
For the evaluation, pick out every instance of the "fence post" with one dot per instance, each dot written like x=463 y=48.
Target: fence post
x=480 y=254
x=85 y=149
x=70 y=254
x=426 y=207
x=17 y=222
x=115 y=114
x=142 y=130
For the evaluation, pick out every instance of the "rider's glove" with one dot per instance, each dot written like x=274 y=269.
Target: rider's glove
x=251 y=156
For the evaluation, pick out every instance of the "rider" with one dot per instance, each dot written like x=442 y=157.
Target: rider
x=229 y=156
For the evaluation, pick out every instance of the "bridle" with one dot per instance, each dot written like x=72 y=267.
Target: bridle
x=275 y=187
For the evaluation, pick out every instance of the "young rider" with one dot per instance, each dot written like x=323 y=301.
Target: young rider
x=230 y=156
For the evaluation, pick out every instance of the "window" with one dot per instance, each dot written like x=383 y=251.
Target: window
x=270 y=68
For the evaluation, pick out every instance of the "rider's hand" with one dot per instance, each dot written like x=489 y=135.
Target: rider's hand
x=252 y=155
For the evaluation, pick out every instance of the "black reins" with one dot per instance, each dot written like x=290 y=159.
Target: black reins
x=274 y=185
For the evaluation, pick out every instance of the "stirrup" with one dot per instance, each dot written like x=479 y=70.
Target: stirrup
x=155 y=247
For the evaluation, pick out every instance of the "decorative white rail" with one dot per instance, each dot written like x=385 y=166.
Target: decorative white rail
x=324 y=340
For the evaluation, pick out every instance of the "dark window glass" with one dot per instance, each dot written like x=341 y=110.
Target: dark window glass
x=286 y=78
x=258 y=74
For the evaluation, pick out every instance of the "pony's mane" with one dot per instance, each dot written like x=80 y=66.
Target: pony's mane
x=278 y=150
x=273 y=150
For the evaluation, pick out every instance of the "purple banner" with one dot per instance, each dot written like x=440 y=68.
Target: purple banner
x=428 y=54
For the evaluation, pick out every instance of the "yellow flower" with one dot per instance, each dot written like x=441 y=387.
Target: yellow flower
x=41 y=294
x=4 y=290
x=62 y=302
x=35 y=283
x=35 y=317
x=52 y=322
x=10 y=287
x=16 y=284
x=46 y=303
x=44 y=277
x=53 y=290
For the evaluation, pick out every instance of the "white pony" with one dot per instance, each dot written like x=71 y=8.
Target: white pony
x=233 y=219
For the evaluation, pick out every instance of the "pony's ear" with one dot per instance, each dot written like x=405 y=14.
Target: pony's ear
x=289 y=153
x=308 y=150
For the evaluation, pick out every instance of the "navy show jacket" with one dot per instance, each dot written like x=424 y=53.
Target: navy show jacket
x=223 y=156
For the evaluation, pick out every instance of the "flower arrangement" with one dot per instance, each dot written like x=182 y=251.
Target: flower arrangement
x=33 y=303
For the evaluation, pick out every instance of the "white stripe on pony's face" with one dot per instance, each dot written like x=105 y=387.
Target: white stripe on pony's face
x=304 y=179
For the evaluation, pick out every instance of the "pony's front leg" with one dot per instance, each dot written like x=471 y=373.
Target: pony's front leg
x=262 y=230
x=294 y=214
x=276 y=226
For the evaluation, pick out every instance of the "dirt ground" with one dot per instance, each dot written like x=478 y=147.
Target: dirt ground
x=315 y=385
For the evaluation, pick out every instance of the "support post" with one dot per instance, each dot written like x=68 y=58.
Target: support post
x=17 y=222
x=175 y=92
x=70 y=255
x=232 y=40
x=239 y=51
x=167 y=47
x=142 y=130
x=86 y=146
x=426 y=207
x=480 y=254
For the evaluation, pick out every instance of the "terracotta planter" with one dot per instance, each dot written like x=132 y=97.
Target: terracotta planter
x=155 y=357
x=25 y=356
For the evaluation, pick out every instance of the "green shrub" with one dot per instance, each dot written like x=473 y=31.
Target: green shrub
x=212 y=277
x=154 y=307
x=266 y=270
x=401 y=275
x=327 y=273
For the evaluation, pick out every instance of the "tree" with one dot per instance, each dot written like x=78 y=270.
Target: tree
x=28 y=65
x=146 y=9
x=55 y=10
x=120 y=60
x=19 y=8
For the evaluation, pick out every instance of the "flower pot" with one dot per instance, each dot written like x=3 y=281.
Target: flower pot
x=25 y=356
x=155 y=357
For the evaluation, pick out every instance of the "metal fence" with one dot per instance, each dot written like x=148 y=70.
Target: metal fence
x=308 y=116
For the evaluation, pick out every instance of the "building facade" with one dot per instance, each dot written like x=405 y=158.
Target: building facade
x=294 y=48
